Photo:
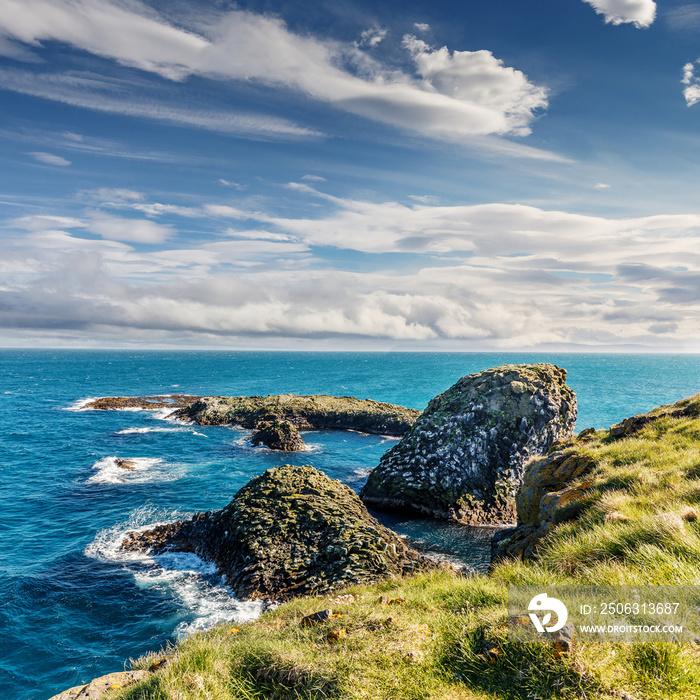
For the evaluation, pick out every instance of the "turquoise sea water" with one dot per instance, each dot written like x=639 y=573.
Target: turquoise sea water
x=72 y=607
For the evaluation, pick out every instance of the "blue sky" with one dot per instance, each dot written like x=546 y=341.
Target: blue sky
x=400 y=175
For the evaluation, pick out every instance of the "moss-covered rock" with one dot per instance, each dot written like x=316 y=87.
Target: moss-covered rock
x=289 y=532
x=278 y=435
x=316 y=411
x=465 y=456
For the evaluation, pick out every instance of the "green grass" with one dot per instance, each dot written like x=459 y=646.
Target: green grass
x=640 y=524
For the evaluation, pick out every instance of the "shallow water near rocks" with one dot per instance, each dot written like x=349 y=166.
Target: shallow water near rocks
x=74 y=607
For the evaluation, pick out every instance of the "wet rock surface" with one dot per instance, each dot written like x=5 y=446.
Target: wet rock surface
x=465 y=457
x=289 y=532
x=278 y=435
x=316 y=411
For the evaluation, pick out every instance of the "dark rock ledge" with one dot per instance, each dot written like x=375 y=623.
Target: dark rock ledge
x=291 y=531
x=276 y=419
x=307 y=412
x=114 y=403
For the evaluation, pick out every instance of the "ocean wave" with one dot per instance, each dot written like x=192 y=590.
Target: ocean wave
x=81 y=404
x=201 y=594
x=139 y=470
x=143 y=431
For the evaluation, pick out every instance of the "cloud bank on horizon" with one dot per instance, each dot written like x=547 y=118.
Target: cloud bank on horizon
x=433 y=178
x=494 y=275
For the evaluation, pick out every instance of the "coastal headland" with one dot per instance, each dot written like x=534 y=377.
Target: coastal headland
x=618 y=506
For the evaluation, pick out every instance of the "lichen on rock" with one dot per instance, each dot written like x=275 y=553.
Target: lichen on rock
x=464 y=458
x=553 y=490
x=289 y=532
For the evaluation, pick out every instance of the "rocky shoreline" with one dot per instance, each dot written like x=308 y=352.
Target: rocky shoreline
x=293 y=532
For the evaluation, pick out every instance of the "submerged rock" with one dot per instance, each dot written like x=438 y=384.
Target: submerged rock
x=278 y=435
x=317 y=411
x=465 y=456
x=289 y=532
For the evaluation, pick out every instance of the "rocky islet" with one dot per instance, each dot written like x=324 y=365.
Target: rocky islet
x=289 y=532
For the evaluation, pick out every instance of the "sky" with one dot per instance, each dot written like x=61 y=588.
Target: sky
x=273 y=174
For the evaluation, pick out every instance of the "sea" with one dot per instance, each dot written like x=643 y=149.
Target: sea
x=73 y=607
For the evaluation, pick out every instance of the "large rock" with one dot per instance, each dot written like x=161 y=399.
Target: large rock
x=291 y=531
x=278 y=435
x=465 y=456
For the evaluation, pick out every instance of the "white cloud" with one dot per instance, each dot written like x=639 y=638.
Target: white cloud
x=691 y=92
x=461 y=94
x=422 y=26
x=372 y=37
x=641 y=13
x=229 y=183
x=685 y=18
x=115 y=228
x=478 y=77
x=601 y=186
x=313 y=178
x=424 y=198
x=49 y=158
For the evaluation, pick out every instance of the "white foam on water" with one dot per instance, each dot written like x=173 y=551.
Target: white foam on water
x=82 y=404
x=140 y=431
x=362 y=472
x=193 y=583
x=143 y=469
x=143 y=431
x=165 y=414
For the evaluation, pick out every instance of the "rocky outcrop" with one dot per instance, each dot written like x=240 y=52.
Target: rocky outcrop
x=318 y=411
x=291 y=531
x=115 y=403
x=278 y=435
x=553 y=491
x=465 y=456
x=686 y=408
x=99 y=687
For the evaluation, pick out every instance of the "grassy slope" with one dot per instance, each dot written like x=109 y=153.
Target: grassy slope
x=639 y=526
